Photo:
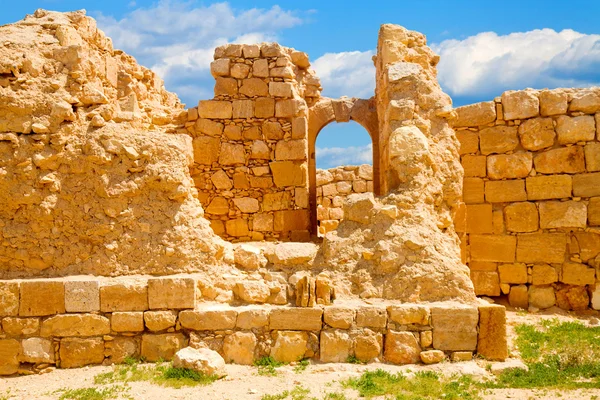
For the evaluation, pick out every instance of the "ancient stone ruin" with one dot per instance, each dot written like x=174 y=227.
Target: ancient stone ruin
x=132 y=226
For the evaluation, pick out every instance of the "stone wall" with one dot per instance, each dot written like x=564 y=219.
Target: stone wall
x=531 y=219
x=250 y=143
x=333 y=186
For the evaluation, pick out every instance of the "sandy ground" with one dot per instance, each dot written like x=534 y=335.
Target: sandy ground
x=244 y=382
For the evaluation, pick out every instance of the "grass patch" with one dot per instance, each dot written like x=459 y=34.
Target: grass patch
x=92 y=393
x=267 y=365
x=298 y=393
x=302 y=365
x=354 y=360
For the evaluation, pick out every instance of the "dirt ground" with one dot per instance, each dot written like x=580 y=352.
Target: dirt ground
x=244 y=382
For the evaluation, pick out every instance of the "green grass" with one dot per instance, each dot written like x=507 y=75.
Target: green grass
x=298 y=393
x=354 y=360
x=92 y=393
x=267 y=365
x=302 y=365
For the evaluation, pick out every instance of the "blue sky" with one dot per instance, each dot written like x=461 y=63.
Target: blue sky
x=486 y=47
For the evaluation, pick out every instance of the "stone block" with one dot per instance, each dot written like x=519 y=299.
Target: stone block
x=254 y=87
x=262 y=222
x=473 y=190
x=237 y=227
x=208 y=127
x=127 y=321
x=208 y=320
x=371 y=317
x=401 y=348
x=253 y=291
x=160 y=320
x=232 y=154
x=549 y=187
x=10 y=349
x=299 y=319
x=252 y=318
x=592 y=156
x=339 y=316
x=587 y=101
x=225 y=87
x=587 y=245
x=220 y=67
x=171 y=293
x=9 y=298
x=454 y=327
x=206 y=149
x=475 y=114
x=121 y=348
x=469 y=142
x=586 y=185
x=543 y=274
x=577 y=274
x=541 y=297
x=498 y=139
x=569 y=160
x=281 y=89
x=537 y=133
x=243 y=108
x=483 y=266
x=76 y=352
x=594 y=211
x=291 y=150
x=124 y=297
x=492 y=342
x=541 y=248
x=239 y=348
x=426 y=338
x=474 y=166
x=216 y=109
x=251 y=51
x=299 y=128
x=289 y=108
x=335 y=346
x=563 y=214
x=218 y=206
x=37 y=351
x=162 y=346
x=505 y=191
x=260 y=68
x=264 y=107
x=575 y=129
x=20 y=326
x=290 y=346
x=368 y=345
x=40 y=298
x=288 y=173
x=521 y=217
x=240 y=71
x=429 y=357
x=291 y=220
x=520 y=104
x=486 y=283
x=458 y=356
x=479 y=218
x=518 y=297
x=82 y=296
x=75 y=325
x=511 y=166
x=513 y=273
x=553 y=102
x=409 y=314
x=500 y=248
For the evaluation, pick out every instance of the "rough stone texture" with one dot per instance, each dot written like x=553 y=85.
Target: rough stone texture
x=172 y=293
x=75 y=325
x=339 y=317
x=76 y=352
x=204 y=361
x=162 y=347
x=160 y=320
x=121 y=348
x=289 y=346
x=368 y=345
x=239 y=348
x=335 y=346
x=39 y=298
x=82 y=296
x=492 y=340
x=541 y=296
x=124 y=297
x=454 y=328
x=20 y=326
x=9 y=298
x=10 y=350
x=432 y=356
x=302 y=319
x=37 y=351
x=208 y=319
x=401 y=348
x=127 y=321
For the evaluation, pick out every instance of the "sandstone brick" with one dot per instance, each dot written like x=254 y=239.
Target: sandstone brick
x=127 y=321
x=520 y=104
x=160 y=320
x=251 y=318
x=499 y=248
x=291 y=220
x=264 y=107
x=239 y=348
x=204 y=320
x=486 y=283
x=221 y=180
x=122 y=348
x=82 y=296
x=458 y=356
x=225 y=87
x=237 y=227
x=483 y=266
x=247 y=204
x=290 y=346
x=262 y=222
x=277 y=201
x=251 y=51
x=498 y=139
x=220 y=67
x=513 y=273
x=505 y=191
x=232 y=154
x=10 y=350
x=124 y=297
x=587 y=101
x=537 y=133
x=215 y=109
x=553 y=102
x=454 y=327
x=563 y=214
x=541 y=297
x=575 y=129
x=492 y=341
x=368 y=345
x=521 y=217
x=594 y=211
x=240 y=71
x=577 y=274
x=75 y=325
x=543 y=274
x=40 y=298
x=157 y=347
x=588 y=244
x=586 y=185
x=300 y=319
x=592 y=156
x=208 y=127
x=171 y=293
x=253 y=87
x=251 y=133
x=511 y=166
x=549 y=187
x=479 y=218
x=253 y=291
x=289 y=108
x=371 y=317
x=409 y=314
x=9 y=298
x=280 y=89
x=426 y=338
x=260 y=68
x=473 y=190
x=519 y=297
x=401 y=348
x=291 y=150
x=469 y=142
x=335 y=346
x=339 y=316
x=76 y=352
x=206 y=149
x=474 y=166
x=288 y=173
x=218 y=206
x=37 y=351
x=20 y=326
x=282 y=72
x=568 y=160
x=475 y=114
x=243 y=108
x=541 y=247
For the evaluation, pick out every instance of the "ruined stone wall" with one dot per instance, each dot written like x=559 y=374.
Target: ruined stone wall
x=250 y=143
x=531 y=219
x=334 y=186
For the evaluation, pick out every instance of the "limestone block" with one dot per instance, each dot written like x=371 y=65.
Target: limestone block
x=121 y=348
x=500 y=248
x=483 y=266
x=291 y=150
x=218 y=206
x=252 y=318
x=513 y=273
x=475 y=114
x=124 y=297
x=563 y=214
x=75 y=325
x=492 y=342
x=594 y=211
x=454 y=327
x=575 y=129
x=233 y=132
x=249 y=257
x=290 y=346
x=585 y=185
x=9 y=298
x=344 y=187
x=76 y=352
x=368 y=345
x=521 y=217
x=253 y=291
x=208 y=127
x=520 y=104
x=243 y=108
x=262 y=222
x=541 y=247
x=359 y=186
x=160 y=320
x=289 y=108
x=426 y=338
x=300 y=319
x=570 y=160
x=253 y=87
x=37 y=351
x=458 y=356
x=537 y=133
x=587 y=101
x=473 y=190
x=588 y=244
x=280 y=89
x=162 y=346
x=335 y=346
x=371 y=317
x=339 y=316
x=505 y=191
x=479 y=218
x=20 y=326
x=432 y=356
x=577 y=274
x=498 y=139
x=82 y=296
x=469 y=142
x=206 y=149
x=282 y=72
x=260 y=150
x=232 y=154
x=553 y=102
x=291 y=220
x=511 y=166
x=549 y=187
x=277 y=201
x=358 y=207
x=171 y=293
x=221 y=180
x=299 y=128
x=215 y=109
x=324 y=290
x=288 y=173
x=541 y=297
x=543 y=274
x=260 y=68
x=486 y=283
x=251 y=51
x=208 y=320
x=409 y=314
x=220 y=67
x=300 y=59
x=239 y=348
x=474 y=166
x=203 y=360
x=264 y=107
x=10 y=350
x=401 y=348
x=519 y=297
x=240 y=71
x=127 y=321
x=301 y=197
x=225 y=87
x=329 y=189
x=592 y=156
x=40 y=298
x=237 y=227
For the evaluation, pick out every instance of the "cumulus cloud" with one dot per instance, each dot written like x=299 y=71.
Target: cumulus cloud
x=485 y=65
x=177 y=39
x=330 y=157
x=349 y=73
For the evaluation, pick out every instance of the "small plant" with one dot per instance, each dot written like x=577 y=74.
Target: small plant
x=266 y=365
x=179 y=377
x=280 y=396
x=354 y=360
x=91 y=393
x=302 y=365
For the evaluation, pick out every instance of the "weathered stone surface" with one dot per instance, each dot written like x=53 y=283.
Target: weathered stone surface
x=541 y=247
x=237 y=227
x=124 y=297
x=358 y=207
x=171 y=293
x=486 y=283
x=520 y=104
x=288 y=173
x=204 y=361
x=232 y=154
x=492 y=340
x=82 y=296
x=586 y=185
x=339 y=316
x=519 y=297
x=521 y=217
x=9 y=298
x=505 y=191
x=537 y=133
x=291 y=150
x=253 y=291
x=335 y=346
x=570 y=160
x=458 y=356
x=37 y=351
x=368 y=345
x=76 y=352
x=40 y=298
x=121 y=348
x=553 y=102
x=75 y=325
x=543 y=274
x=218 y=206
x=202 y=320
x=474 y=166
x=162 y=346
x=409 y=314
x=577 y=274
x=541 y=297
x=20 y=326
x=469 y=142
x=454 y=327
x=513 y=273
x=239 y=348
x=563 y=214
x=498 y=139
x=160 y=320
x=475 y=114
x=592 y=156
x=221 y=180
x=499 y=248
x=401 y=348
x=289 y=346
x=575 y=129
x=587 y=101
x=127 y=321
x=293 y=253
x=249 y=257
x=215 y=109
x=594 y=211
x=549 y=187
x=371 y=317
x=300 y=319
x=206 y=149
x=510 y=166
x=252 y=318
x=10 y=349
x=432 y=356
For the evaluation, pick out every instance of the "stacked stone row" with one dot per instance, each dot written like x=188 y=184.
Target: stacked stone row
x=333 y=186
x=531 y=219
x=72 y=324
x=250 y=143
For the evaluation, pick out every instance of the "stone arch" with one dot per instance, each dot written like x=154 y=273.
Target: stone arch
x=344 y=109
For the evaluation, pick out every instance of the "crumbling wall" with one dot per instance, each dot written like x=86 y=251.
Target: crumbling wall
x=531 y=219
x=250 y=143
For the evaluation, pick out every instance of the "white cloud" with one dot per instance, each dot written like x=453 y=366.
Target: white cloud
x=349 y=73
x=330 y=157
x=177 y=39
x=486 y=64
